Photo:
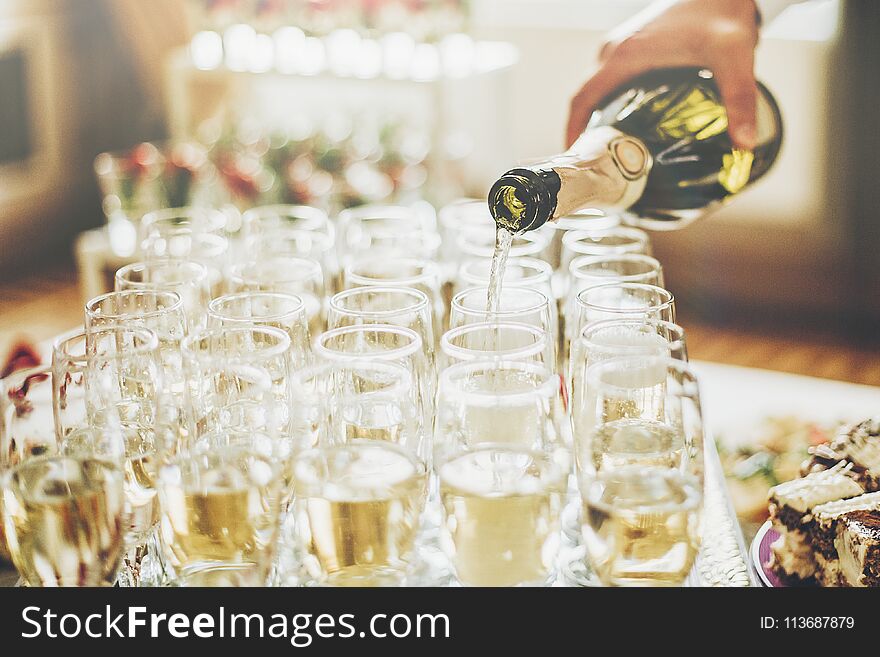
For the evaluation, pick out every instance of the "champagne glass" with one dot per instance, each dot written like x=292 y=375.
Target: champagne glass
x=298 y=243
x=188 y=234
x=360 y=227
x=268 y=219
x=360 y=491
x=641 y=470
x=220 y=506
x=139 y=449
x=189 y=279
x=455 y=217
x=589 y=271
x=557 y=230
x=274 y=309
x=521 y=272
x=64 y=520
x=162 y=312
x=383 y=343
x=507 y=341
x=503 y=468
x=603 y=242
x=111 y=374
x=398 y=306
x=416 y=273
x=515 y=304
x=479 y=242
x=287 y=275
x=619 y=301
x=239 y=379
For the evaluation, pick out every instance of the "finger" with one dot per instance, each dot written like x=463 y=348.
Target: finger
x=606 y=79
x=736 y=82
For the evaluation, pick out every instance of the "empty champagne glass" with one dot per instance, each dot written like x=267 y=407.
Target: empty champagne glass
x=220 y=506
x=287 y=275
x=189 y=279
x=503 y=467
x=360 y=228
x=479 y=242
x=455 y=217
x=556 y=230
x=274 y=309
x=239 y=379
x=507 y=341
x=268 y=219
x=297 y=243
x=521 y=272
x=640 y=470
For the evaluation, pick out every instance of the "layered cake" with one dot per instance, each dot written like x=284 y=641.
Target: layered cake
x=830 y=521
x=791 y=512
x=857 y=444
x=858 y=547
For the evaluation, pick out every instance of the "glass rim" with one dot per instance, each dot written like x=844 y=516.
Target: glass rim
x=668 y=298
x=694 y=492
x=62 y=343
x=253 y=354
x=575 y=265
x=576 y=220
x=325 y=370
x=451 y=350
x=297 y=211
x=449 y=219
x=422 y=302
x=91 y=310
x=198 y=271
x=216 y=219
x=543 y=271
x=299 y=306
x=430 y=273
x=678 y=330
x=312 y=267
x=286 y=234
x=451 y=378
x=415 y=346
x=501 y=312
x=537 y=242
x=637 y=235
x=377 y=211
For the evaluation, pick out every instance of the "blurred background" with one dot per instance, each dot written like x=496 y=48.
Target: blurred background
x=451 y=92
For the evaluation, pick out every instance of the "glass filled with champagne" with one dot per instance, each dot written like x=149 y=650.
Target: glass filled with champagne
x=360 y=492
x=503 y=468
x=220 y=512
x=639 y=448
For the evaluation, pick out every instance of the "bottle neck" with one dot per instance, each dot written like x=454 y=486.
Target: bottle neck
x=604 y=169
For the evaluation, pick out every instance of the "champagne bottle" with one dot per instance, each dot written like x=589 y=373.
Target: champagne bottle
x=657 y=151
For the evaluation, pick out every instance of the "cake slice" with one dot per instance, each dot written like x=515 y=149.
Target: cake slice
x=827 y=521
x=858 y=444
x=791 y=505
x=858 y=548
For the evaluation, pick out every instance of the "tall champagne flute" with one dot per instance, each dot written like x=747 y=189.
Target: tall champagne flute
x=503 y=467
x=360 y=491
x=267 y=219
x=478 y=242
x=287 y=275
x=274 y=309
x=361 y=228
x=296 y=243
x=521 y=272
x=621 y=301
x=641 y=470
x=189 y=279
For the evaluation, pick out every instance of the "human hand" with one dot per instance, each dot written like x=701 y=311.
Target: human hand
x=720 y=35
